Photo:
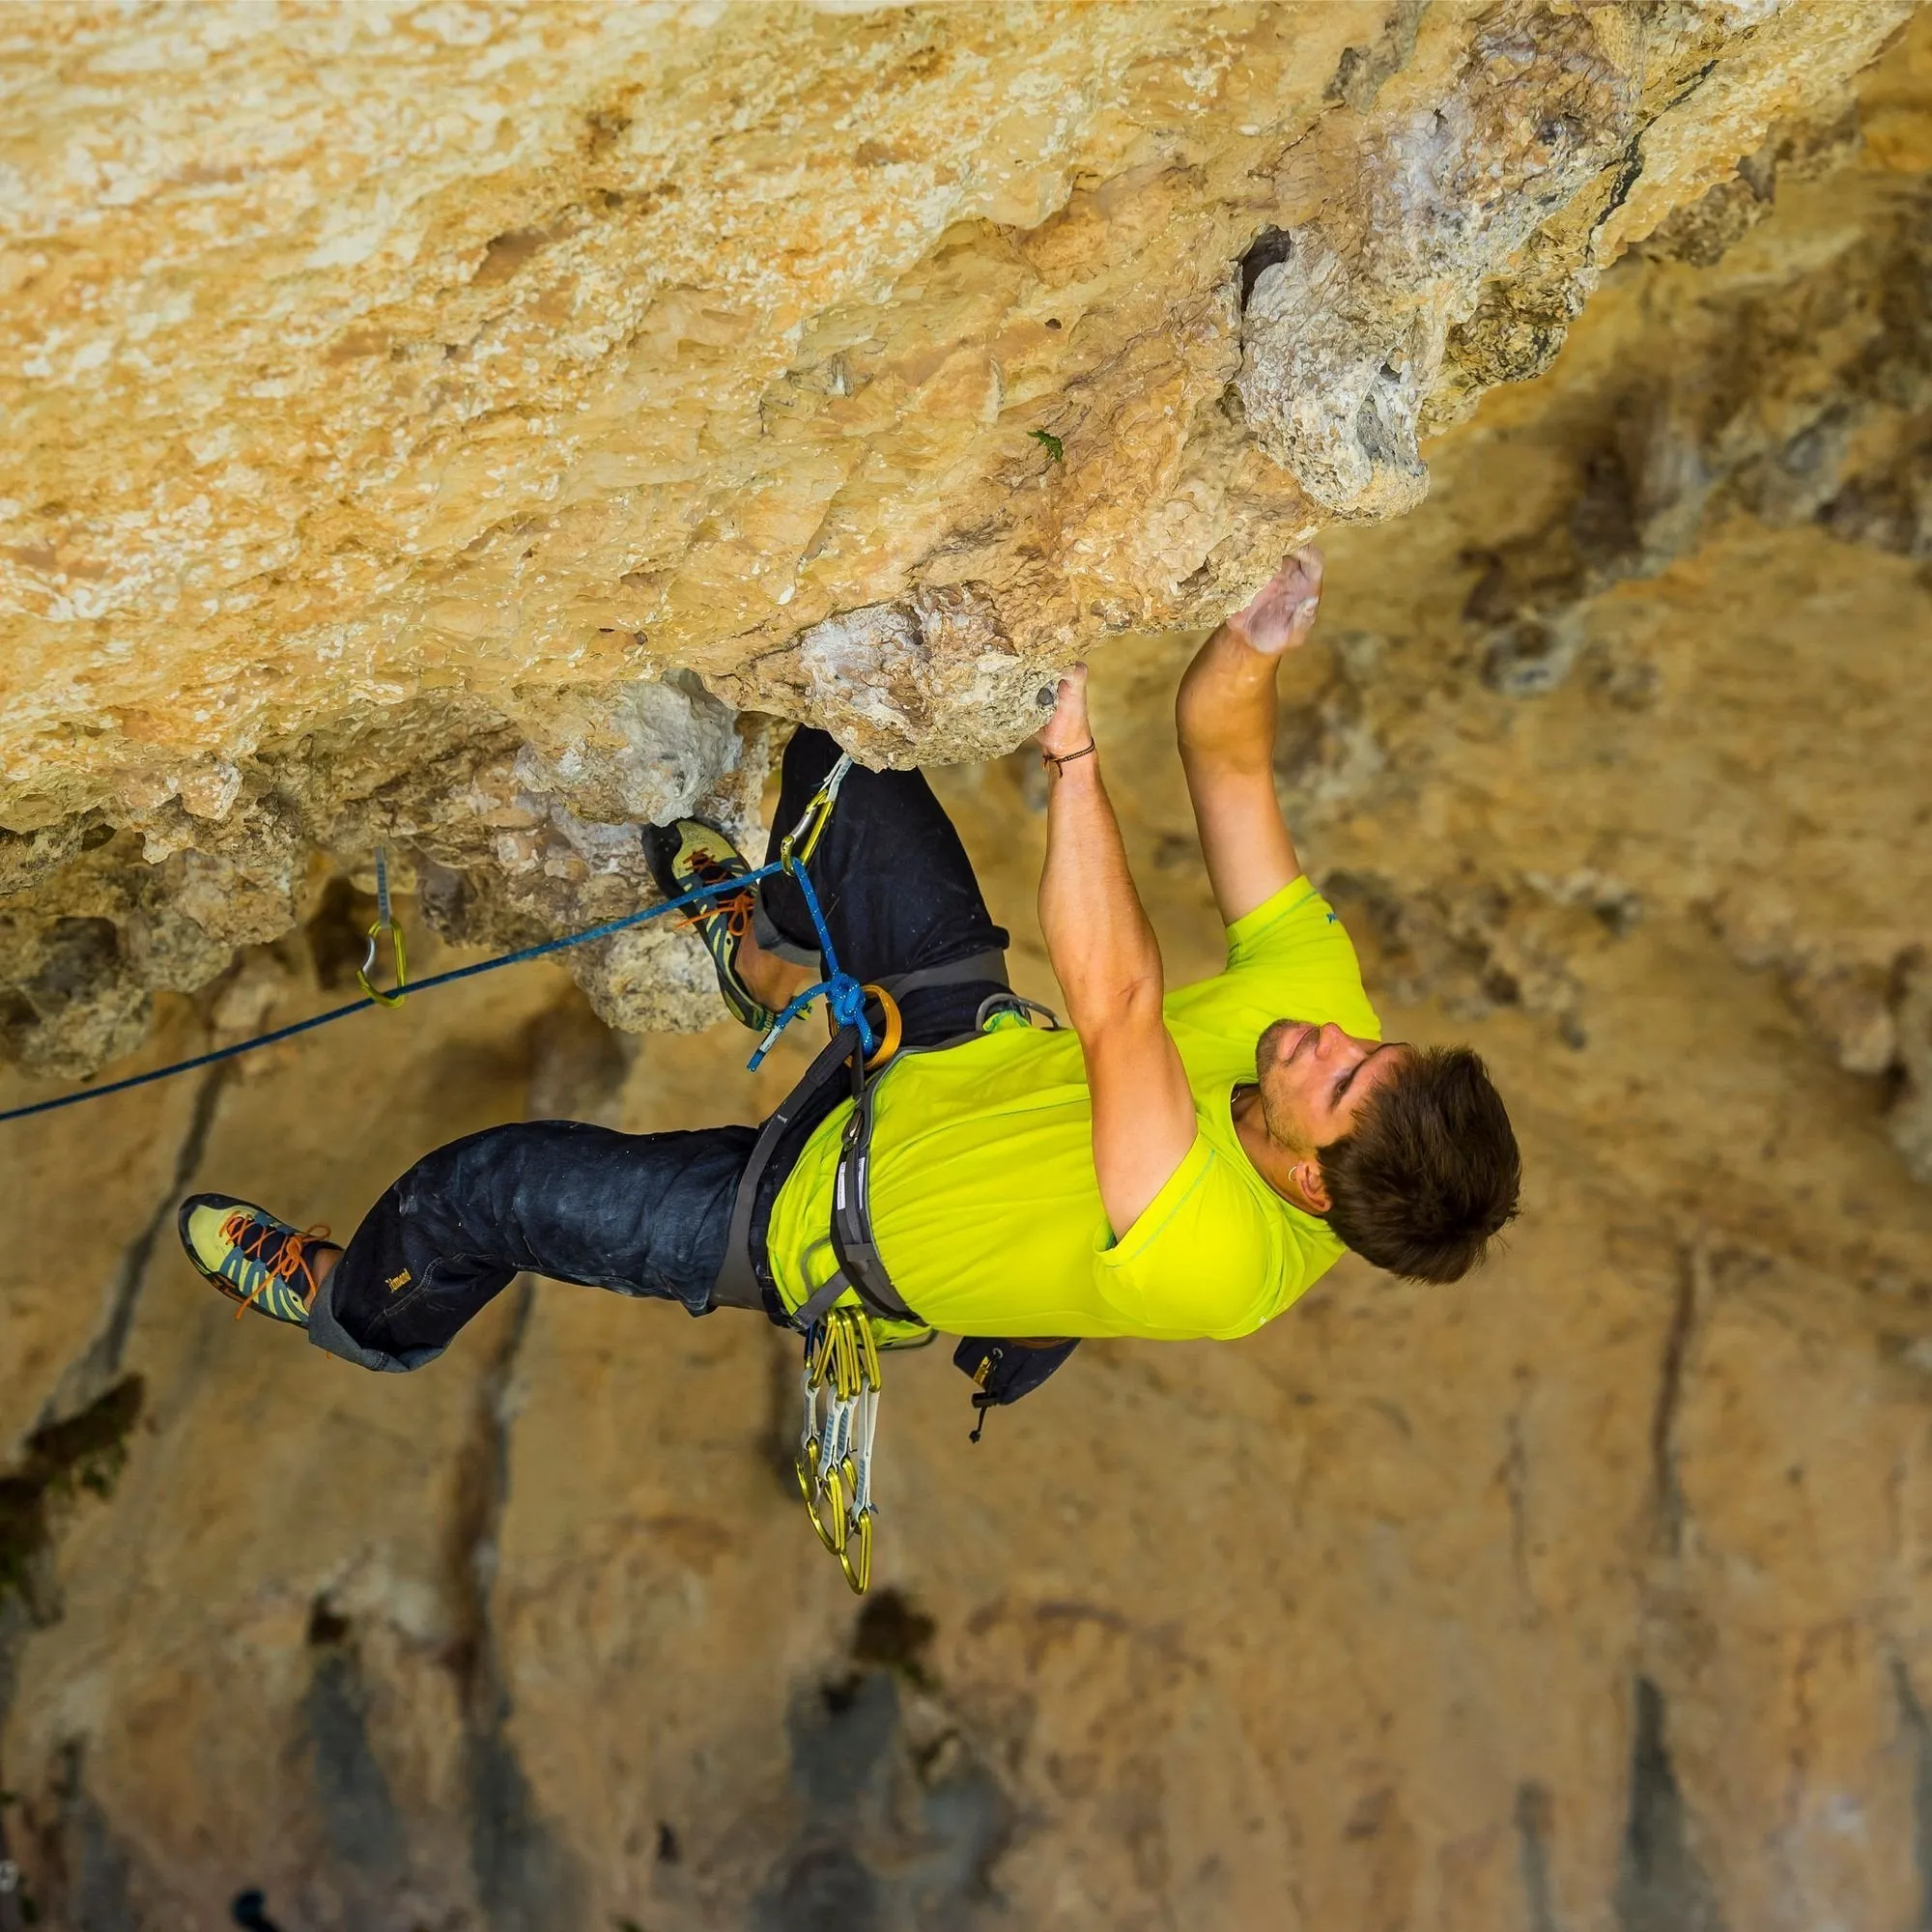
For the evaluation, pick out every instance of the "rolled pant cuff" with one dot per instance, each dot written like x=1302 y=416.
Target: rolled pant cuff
x=333 y=1339
x=771 y=940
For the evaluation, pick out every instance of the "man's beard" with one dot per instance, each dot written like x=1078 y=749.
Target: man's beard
x=1265 y=1056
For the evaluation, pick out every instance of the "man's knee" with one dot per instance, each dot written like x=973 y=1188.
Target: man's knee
x=527 y=1165
x=810 y=754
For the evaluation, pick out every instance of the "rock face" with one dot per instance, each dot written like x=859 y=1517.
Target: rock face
x=420 y=415
x=1590 y=1594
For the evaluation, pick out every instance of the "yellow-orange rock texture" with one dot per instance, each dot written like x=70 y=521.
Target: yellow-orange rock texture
x=1589 y=1595
x=423 y=418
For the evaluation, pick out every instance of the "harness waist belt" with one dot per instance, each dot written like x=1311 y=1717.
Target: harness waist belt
x=860 y=1268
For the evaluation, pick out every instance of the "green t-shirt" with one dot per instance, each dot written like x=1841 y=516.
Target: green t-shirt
x=985 y=1201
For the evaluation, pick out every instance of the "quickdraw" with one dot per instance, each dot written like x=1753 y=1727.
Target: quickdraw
x=835 y=1450
x=385 y=923
x=798 y=845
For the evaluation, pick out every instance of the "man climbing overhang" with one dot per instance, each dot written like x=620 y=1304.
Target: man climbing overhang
x=1173 y=1165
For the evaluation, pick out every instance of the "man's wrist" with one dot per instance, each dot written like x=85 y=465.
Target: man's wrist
x=1246 y=650
x=1058 y=760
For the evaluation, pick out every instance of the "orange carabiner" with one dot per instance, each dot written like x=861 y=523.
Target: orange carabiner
x=895 y=1029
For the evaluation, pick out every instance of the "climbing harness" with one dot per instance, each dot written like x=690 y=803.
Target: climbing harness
x=842 y=1377
x=385 y=924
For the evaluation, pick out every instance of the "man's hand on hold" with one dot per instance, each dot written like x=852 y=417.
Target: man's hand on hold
x=1280 y=616
x=1225 y=714
x=1067 y=729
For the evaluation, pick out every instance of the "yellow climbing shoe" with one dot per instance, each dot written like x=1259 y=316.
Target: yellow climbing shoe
x=686 y=856
x=253 y=1258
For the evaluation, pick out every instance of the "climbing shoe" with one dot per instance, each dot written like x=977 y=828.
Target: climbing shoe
x=689 y=855
x=253 y=1259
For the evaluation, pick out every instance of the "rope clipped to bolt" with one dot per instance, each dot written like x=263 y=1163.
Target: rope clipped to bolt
x=843 y=995
x=386 y=923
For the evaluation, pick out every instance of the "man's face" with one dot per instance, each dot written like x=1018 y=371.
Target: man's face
x=1315 y=1079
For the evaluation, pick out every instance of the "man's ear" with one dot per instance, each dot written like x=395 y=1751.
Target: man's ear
x=1313 y=1187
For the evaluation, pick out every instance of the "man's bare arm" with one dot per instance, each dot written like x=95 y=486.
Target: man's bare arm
x=1108 y=964
x=1225 y=716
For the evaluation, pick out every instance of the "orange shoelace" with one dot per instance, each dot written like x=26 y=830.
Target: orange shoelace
x=242 y=1231
x=735 y=912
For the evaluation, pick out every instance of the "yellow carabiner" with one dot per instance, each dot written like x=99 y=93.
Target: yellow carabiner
x=859 y=1569
x=798 y=845
x=801 y=841
x=829 y=1516
x=820 y=1521
x=815 y=1507
x=398 y=992
x=385 y=923
x=845 y=1356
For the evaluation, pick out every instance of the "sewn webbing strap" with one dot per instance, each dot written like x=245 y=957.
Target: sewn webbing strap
x=738 y=1285
x=823 y=1297
x=980 y=966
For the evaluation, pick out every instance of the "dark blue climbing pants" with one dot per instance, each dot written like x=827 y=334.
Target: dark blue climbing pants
x=648 y=1215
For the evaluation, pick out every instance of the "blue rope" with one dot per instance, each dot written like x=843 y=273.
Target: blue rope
x=840 y=989
x=843 y=994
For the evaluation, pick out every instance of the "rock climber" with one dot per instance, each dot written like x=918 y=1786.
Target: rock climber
x=1171 y=1164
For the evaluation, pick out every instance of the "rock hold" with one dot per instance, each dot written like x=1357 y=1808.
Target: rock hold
x=931 y=680
x=1342 y=340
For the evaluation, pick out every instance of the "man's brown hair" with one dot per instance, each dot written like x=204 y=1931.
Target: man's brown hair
x=1430 y=1171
